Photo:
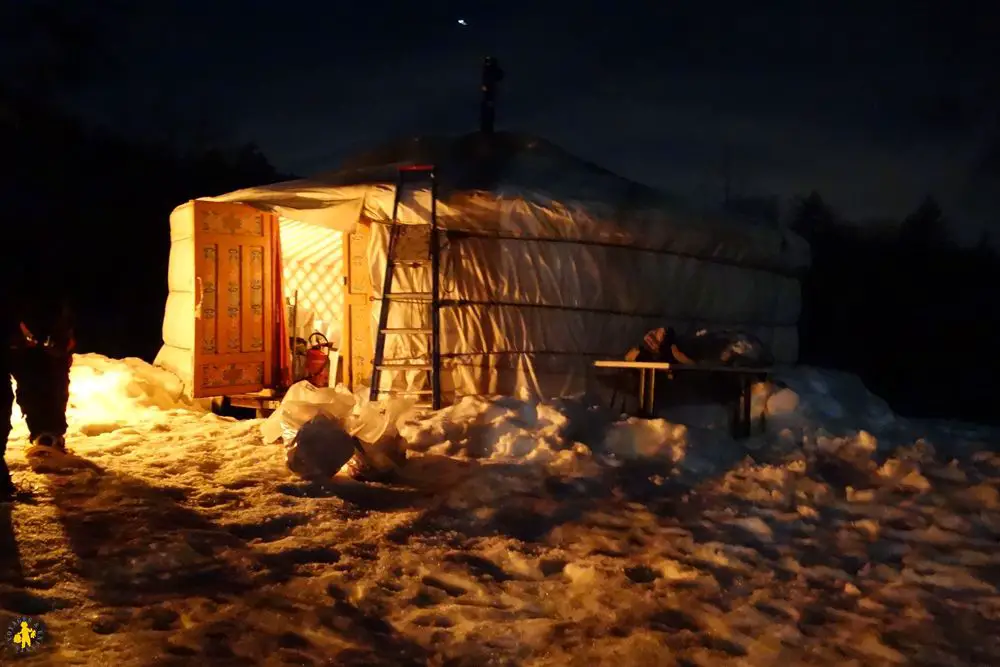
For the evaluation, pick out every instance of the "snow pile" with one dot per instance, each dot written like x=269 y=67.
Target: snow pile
x=499 y=428
x=804 y=408
x=805 y=398
x=105 y=394
x=830 y=417
x=509 y=429
x=636 y=438
x=126 y=389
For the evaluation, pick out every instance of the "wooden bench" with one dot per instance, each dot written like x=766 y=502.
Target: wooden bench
x=741 y=423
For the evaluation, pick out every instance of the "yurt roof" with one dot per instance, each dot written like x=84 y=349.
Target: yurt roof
x=511 y=184
x=491 y=162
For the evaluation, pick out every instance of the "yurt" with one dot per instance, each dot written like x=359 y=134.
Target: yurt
x=547 y=263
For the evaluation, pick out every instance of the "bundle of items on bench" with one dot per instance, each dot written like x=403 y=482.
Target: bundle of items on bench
x=732 y=354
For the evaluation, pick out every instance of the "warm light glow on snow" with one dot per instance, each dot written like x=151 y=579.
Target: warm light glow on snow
x=97 y=395
x=532 y=533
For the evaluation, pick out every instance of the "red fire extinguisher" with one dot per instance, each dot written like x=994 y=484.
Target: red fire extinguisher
x=318 y=360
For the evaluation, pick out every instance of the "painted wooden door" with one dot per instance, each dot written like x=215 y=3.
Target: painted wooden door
x=357 y=341
x=234 y=300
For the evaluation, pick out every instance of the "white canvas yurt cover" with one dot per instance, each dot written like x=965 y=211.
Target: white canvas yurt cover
x=549 y=262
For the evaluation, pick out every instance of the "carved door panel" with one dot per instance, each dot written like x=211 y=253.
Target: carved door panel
x=234 y=322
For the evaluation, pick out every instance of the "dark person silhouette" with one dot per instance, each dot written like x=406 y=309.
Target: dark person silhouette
x=36 y=350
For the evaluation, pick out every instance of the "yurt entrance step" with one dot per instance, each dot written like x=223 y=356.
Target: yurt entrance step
x=263 y=402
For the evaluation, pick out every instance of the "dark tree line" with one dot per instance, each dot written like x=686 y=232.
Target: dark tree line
x=87 y=212
x=917 y=317
x=87 y=208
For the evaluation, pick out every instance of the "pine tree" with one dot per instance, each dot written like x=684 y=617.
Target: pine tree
x=926 y=227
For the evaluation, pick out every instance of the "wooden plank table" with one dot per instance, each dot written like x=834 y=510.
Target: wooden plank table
x=647 y=385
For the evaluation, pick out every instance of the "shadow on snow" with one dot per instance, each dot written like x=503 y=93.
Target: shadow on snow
x=144 y=553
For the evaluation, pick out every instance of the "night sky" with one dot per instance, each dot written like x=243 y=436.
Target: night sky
x=872 y=103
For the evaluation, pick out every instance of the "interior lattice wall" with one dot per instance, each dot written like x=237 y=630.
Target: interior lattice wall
x=313 y=264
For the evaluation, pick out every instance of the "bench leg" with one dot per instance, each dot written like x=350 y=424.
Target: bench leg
x=647 y=392
x=614 y=405
x=741 y=422
x=650 y=393
x=643 y=393
x=747 y=405
x=735 y=414
x=763 y=410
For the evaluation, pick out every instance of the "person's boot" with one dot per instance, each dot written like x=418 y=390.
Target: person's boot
x=51 y=441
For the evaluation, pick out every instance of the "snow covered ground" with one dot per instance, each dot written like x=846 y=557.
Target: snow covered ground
x=529 y=535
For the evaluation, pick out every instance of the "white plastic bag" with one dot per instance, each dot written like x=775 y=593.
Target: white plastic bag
x=372 y=422
x=376 y=425
x=318 y=423
x=302 y=402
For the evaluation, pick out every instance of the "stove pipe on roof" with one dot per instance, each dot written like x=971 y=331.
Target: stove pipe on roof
x=492 y=75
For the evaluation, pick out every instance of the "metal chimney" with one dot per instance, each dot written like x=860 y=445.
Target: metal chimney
x=492 y=75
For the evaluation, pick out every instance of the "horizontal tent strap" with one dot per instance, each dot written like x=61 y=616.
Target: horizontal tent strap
x=605 y=311
x=459 y=234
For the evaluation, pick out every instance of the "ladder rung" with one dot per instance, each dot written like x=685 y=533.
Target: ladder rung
x=410 y=262
x=415 y=296
x=415 y=392
x=407 y=330
x=405 y=367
